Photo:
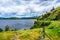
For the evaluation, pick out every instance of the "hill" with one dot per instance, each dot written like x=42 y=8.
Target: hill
x=51 y=22
x=54 y=14
x=47 y=19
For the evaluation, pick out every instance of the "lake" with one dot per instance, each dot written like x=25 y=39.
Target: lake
x=18 y=24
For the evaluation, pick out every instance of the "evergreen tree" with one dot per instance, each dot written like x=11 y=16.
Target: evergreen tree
x=1 y=30
x=52 y=9
x=7 y=28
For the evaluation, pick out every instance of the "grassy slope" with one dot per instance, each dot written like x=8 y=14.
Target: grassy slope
x=51 y=21
x=21 y=34
x=32 y=34
x=52 y=15
x=54 y=30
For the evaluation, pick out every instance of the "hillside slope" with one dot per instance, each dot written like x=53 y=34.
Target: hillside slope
x=51 y=22
x=54 y=14
x=51 y=18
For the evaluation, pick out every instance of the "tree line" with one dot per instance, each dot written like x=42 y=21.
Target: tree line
x=7 y=28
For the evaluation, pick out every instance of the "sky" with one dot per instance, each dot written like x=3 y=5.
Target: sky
x=26 y=8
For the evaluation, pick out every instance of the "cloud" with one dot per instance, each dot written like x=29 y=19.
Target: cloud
x=26 y=8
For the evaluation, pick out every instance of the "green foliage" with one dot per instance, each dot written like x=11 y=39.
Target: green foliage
x=39 y=24
x=24 y=29
x=7 y=28
x=2 y=36
x=52 y=9
x=54 y=14
x=44 y=23
x=46 y=19
x=14 y=29
x=54 y=33
x=57 y=17
x=30 y=34
x=1 y=30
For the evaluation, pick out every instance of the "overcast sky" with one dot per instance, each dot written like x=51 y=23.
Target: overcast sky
x=26 y=8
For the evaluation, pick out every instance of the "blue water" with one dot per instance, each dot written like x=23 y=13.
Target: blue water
x=18 y=24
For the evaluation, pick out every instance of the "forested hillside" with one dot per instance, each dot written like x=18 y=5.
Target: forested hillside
x=49 y=18
x=51 y=22
x=54 y=14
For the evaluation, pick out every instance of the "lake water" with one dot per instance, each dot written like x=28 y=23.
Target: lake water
x=18 y=24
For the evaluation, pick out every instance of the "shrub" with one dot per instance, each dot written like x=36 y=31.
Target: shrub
x=7 y=28
x=14 y=29
x=38 y=24
x=1 y=30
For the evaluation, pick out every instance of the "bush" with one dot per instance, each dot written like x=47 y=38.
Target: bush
x=45 y=23
x=38 y=24
x=7 y=28
x=51 y=27
x=1 y=30
x=14 y=29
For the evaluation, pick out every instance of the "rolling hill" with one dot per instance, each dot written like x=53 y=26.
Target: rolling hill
x=51 y=22
x=54 y=14
x=49 y=18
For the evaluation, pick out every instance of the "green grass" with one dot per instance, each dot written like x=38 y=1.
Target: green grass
x=21 y=34
x=32 y=34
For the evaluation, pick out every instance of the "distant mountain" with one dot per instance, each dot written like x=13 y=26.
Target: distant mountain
x=20 y=18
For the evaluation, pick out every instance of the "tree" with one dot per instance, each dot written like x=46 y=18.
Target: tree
x=7 y=28
x=1 y=30
x=14 y=29
x=52 y=9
